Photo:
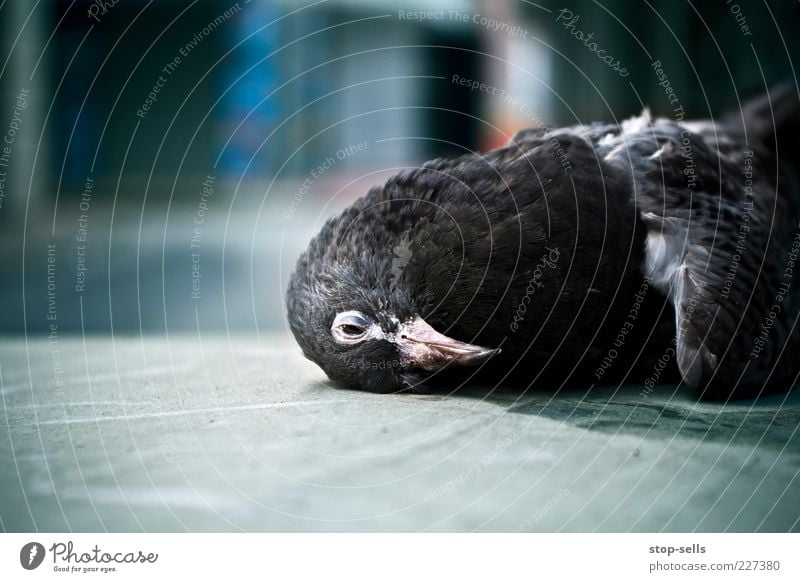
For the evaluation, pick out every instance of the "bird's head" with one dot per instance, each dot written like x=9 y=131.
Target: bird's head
x=350 y=308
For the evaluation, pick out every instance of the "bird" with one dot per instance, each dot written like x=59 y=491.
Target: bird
x=650 y=251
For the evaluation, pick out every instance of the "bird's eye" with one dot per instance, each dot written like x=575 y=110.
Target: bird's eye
x=350 y=327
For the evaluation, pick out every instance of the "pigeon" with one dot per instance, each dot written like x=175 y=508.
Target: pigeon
x=650 y=251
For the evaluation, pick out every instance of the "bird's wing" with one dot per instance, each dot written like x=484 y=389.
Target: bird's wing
x=719 y=234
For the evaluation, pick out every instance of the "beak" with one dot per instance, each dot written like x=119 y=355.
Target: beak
x=423 y=347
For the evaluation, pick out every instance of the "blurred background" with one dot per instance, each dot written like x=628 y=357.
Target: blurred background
x=163 y=164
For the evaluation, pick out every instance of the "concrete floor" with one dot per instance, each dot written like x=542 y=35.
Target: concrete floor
x=226 y=434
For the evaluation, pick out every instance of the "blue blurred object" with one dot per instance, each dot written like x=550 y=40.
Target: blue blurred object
x=250 y=74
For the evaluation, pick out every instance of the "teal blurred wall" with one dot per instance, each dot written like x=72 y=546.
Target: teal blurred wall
x=268 y=90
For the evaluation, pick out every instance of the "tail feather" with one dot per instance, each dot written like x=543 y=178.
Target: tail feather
x=772 y=121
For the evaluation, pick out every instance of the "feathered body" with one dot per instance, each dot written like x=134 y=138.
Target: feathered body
x=585 y=254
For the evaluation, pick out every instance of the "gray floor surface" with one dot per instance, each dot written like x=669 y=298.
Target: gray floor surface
x=236 y=433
